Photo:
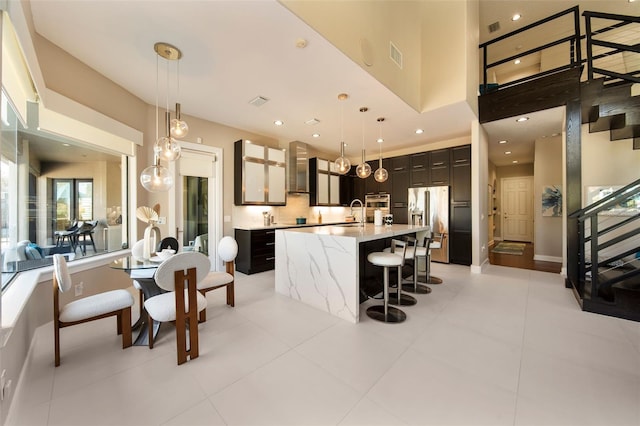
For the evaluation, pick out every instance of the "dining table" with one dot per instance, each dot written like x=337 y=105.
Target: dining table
x=142 y=270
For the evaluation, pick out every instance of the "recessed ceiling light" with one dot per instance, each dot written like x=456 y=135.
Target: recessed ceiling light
x=521 y=119
x=380 y=140
x=278 y=122
x=503 y=141
x=419 y=131
x=517 y=61
x=515 y=161
x=66 y=144
x=507 y=152
x=516 y=17
x=316 y=135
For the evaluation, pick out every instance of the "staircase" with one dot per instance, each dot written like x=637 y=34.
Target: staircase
x=612 y=109
x=609 y=252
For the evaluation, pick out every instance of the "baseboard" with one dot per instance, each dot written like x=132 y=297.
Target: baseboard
x=497 y=239
x=478 y=269
x=544 y=258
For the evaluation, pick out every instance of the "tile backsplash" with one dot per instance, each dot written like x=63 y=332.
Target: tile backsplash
x=297 y=206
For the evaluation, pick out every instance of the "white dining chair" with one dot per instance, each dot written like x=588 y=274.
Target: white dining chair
x=179 y=276
x=110 y=303
x=227 y=250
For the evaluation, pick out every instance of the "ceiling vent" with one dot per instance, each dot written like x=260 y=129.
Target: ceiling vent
x=259 y=101
x=312 y=122
x=494 y=27
x=395 y=54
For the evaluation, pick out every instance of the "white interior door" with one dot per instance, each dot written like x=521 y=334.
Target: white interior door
x=198 y=200
x=517 y=209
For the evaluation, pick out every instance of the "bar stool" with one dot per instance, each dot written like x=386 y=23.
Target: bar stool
x=422 y=252
x=436 y=243
x=395 y=259
x=409 y=254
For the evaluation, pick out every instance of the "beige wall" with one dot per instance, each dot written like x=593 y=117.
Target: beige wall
x=517 y=170
x=362 y=30
x=479 y=200
x=493 y=218
x=606 y=162
x=547 y=171
x=426 y=32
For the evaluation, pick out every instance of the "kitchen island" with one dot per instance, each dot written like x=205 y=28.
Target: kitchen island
x=322 y=266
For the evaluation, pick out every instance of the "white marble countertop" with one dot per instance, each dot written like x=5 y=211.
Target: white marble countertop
x=284 y=225
x=368 y=232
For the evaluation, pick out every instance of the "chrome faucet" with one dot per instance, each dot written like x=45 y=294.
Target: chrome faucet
x=361 y=210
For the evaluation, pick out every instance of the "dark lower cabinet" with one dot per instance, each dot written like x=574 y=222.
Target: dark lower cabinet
x=460 y=233
x=256 y=250
x=460 y=248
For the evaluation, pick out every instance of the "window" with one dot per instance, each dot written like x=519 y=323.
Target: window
x=47 y=182
x=72 y=200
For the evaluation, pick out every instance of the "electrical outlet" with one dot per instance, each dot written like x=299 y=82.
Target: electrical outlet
x=79 y=288
x=162 y=220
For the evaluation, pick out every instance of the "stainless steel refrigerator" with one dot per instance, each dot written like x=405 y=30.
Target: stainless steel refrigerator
x=430 y=206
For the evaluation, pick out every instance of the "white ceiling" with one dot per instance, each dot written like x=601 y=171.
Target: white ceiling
x=234 y=51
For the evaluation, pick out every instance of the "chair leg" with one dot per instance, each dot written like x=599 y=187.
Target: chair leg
x=93 y=243
x=56 y=338
x=140 y=303
x=150 y=330
x=119 y=322
x=231 y=300
x=125 y=327
x=202 y=316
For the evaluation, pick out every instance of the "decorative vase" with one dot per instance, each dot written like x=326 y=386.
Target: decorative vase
x=151 y=239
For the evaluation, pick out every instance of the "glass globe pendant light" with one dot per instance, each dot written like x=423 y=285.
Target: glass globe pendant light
x=156 y=178
x=381 y=174
x=363 y=170
x=343 y=165
x=166 y=147
x=179 y=127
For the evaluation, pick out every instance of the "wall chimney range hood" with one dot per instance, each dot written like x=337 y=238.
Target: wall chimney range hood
x=298 y=167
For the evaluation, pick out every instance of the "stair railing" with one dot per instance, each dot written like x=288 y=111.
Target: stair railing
x=606 y=39
x=609 y=237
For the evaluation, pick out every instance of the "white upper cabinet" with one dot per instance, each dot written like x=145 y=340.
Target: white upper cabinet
x=259 y=175
x=324 y=183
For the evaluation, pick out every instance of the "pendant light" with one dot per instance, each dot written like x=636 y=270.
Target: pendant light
x=343 y=165
x=363 y=170
x=157 y=178
x=179 y=128
x=380 y=175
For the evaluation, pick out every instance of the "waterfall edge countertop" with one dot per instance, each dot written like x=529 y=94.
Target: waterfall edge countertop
x=361 y=233
x=286 y=225
x=320 y=265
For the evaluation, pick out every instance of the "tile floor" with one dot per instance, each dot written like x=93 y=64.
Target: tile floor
x=506 y=347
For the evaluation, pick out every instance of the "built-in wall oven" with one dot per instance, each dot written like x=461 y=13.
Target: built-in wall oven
x=373 y=202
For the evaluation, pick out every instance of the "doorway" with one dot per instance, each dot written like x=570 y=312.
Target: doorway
x=198 y=200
